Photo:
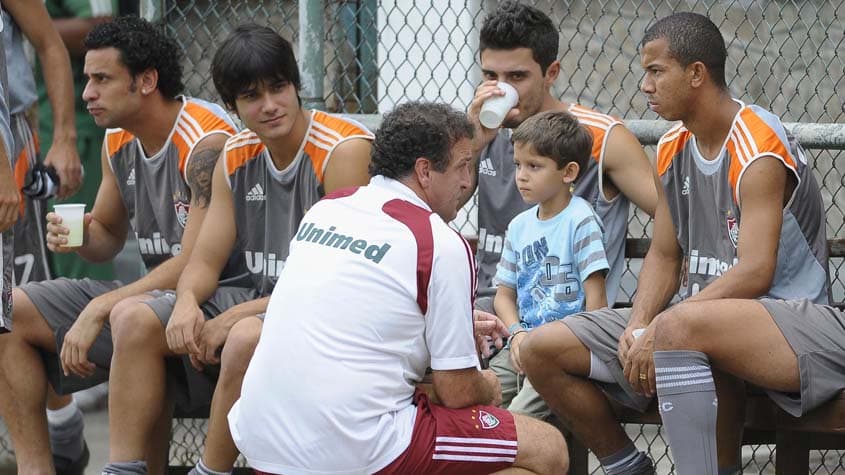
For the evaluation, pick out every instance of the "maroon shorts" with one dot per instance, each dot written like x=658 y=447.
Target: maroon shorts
x=473 y=440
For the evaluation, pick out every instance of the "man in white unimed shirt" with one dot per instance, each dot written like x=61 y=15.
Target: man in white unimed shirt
x=377 y=288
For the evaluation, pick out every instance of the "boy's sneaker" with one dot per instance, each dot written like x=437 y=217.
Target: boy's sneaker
x=66 y=466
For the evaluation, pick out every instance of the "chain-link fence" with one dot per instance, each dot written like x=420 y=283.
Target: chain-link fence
x=783 y=55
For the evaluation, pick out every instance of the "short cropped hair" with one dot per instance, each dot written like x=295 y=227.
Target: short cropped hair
x=250 y=55
x=515 y=25
x=142 y=46
x=692 y=37
x=558 y=136
x=414 y=130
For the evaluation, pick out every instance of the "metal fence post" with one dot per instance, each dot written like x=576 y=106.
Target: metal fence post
x=151 y=10
x=311 y=59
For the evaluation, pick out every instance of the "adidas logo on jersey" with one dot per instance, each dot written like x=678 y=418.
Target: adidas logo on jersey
x=130 y=181
x=485 y=167
x=256 y=193
x=685 y=188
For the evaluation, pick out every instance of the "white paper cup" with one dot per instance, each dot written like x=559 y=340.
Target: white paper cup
x=494 y=110
x=72 y=215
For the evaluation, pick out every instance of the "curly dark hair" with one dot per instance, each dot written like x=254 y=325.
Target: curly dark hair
x=252 y=54
x=515 y=25
x=414 y=130
x=692 y=37
x=142 y=46
x=558 y=136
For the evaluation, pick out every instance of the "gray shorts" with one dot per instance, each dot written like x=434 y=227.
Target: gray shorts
x=60 y=301
x=816 y=334
x=600 y=331
x=189 y=389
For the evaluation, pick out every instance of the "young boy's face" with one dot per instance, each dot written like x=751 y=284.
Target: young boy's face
x=538 y=178
x=268 y=108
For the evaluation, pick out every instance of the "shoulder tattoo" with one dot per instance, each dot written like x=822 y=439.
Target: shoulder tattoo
x=199 y=173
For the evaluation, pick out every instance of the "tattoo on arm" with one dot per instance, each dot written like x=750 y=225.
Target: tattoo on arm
x=200 y=171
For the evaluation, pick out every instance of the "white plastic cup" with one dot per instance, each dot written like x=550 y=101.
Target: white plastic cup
x=72 y=215
x=494 y=110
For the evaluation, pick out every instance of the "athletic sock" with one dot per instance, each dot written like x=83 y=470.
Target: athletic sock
x=201 y=469
x=628 y=461
x=66 y=431
x=138 y=467
x=688 y=406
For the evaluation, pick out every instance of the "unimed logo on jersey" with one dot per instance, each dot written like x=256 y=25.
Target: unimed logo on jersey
x=268 y=265
x=157 y=245
x=330 y=238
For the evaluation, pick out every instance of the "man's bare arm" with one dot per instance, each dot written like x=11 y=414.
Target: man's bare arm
x=629 y=169
x=466 y=387
x=348 y=165
x=73 y=31
x=34 y=21
x=660 y=276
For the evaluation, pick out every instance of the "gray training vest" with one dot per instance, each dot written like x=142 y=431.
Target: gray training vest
x=269 y=203
x=154 y=190
x=703 y=199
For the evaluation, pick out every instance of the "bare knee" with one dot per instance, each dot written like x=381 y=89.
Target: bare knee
x=553 y=347
x=135 y=326
x=681 y=327
x=541 y=447
x=240 y=345
x=28 y=324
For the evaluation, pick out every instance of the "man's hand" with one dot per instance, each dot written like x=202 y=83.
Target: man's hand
x=496 y=386
x=488 y=328
x=9 y=200
x=65 y=159
x=211 y=337
x=80 y=337
x=516 y=340
x=483 y=135
x=184 y=328
x=57 y=233
x=639 y=364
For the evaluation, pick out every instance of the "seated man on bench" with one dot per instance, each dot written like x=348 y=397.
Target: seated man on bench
x=739 y=215
x=266 y=178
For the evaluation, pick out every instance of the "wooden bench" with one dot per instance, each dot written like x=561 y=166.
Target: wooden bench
x=765 y=422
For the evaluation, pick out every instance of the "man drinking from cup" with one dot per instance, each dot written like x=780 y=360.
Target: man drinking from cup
x=519 y=46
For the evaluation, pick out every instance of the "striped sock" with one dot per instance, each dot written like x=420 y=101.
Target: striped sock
x=201 y=469
x=688 y=406
x=628 y=461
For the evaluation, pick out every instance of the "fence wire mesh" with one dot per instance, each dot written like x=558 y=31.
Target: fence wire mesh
x=784 y=55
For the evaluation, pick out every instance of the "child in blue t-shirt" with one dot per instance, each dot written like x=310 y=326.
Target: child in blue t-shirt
x=553 y=262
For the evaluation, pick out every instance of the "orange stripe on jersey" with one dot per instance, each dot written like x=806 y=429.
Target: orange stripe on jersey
x=597 y=124
x=325 y=133
x=242 y=148
x=116 y=139
x=192 y=125
x=21 y=169
x=750 y=138
x=669 y=147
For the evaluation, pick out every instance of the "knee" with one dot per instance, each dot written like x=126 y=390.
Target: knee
x=681 y=327
x=28 y=324
x=240 y=345
x=552 y=347
x=134 y=326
